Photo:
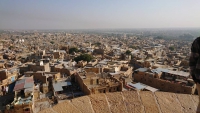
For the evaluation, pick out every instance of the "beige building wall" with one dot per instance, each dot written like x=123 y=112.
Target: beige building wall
x=93 y=69
x=35 y=68
x=163 y=84
x=110 y=87
x=40 y=77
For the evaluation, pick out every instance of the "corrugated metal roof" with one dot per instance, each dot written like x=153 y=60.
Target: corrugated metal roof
x=29 y=79
x=19 y=87
x=57 y=86
x=138 y=86
x=142 y=69
x=20 y=81
x=151 y=89
x=63 y=83
x=159 y=70
x=28 y=84
x=28 y=90
x=179 y=73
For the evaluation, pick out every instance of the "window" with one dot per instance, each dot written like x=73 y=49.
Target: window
x=27 y=109
x=97 y=81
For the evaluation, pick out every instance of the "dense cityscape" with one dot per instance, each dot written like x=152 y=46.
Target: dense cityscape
x=40 y=69
x=99 y=56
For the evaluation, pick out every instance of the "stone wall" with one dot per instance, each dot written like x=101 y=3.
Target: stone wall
x=82 y=85
x=3 y=75
x=128 y=102
x=40 y=77
x=93 y=69
x=35 y=68
x=163 y=84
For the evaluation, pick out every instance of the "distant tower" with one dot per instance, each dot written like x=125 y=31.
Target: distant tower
x=90 y=44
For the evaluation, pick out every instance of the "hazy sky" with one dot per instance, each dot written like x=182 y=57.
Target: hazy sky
x=98 y=14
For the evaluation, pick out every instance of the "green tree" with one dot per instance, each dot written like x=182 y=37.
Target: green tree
x=133 y=47
x=11 y=47
x=128 y=52
x=171 y=48
x=84 y=57
x=52 y=42
x=73 y=49
x=97 y=44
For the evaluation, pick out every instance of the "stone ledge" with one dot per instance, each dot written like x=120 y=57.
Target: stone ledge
x=129 y=102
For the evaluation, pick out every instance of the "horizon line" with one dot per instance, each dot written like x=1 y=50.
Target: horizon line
x=101 y=28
